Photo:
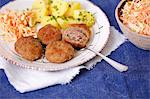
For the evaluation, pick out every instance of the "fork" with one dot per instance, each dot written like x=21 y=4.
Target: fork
x=113 y=63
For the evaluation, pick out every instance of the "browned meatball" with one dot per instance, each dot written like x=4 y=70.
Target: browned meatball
x=48 y=34
x=77 y=35
x=29 y=48
x=84 y=27
x=59 y=52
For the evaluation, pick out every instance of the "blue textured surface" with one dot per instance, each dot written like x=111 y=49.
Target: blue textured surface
x=103 y=82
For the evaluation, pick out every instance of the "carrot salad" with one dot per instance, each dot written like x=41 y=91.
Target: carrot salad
x=136 y=16
x=15 y=24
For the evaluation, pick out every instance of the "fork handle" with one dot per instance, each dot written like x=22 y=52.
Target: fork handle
x=116 y=65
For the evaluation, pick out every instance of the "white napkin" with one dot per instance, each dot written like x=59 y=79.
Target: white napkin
x=25 y=80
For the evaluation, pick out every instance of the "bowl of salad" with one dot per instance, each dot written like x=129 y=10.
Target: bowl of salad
x=133 y=17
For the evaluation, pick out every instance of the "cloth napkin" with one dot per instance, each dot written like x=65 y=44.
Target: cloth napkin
x=25 y=80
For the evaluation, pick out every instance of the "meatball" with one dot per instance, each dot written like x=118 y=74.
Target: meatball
x=77 y=35
x=48 y=34
x=59 y=52
x=29 y=48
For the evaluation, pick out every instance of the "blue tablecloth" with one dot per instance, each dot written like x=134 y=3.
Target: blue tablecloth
x=103 y=82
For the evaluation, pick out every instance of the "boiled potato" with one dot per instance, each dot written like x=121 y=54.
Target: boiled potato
x=60 y=13
x=37 y=4
x=32 y=20
x=72 y=7
x=84 y=16
x=1 y=15
x=49 y=20
x=41 y=7
x=59 y=7
x=41 y=13
x=64 y=21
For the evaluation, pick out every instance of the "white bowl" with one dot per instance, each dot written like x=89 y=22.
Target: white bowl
x=141 y=41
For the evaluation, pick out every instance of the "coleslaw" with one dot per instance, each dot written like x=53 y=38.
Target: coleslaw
x=136 y=16
x=15 y=24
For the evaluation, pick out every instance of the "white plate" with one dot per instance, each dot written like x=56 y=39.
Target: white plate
x=99 y=39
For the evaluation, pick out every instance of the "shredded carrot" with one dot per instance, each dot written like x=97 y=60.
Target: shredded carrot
x=136 y=15
x=16 y=24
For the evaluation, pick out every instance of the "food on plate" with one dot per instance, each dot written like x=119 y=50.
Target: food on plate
x=58 y=13
x=17 y=24
x=135 y=14
x=59 y=52
x=38 y=4
x=84 y=16
x=65 y=21
x=40 y=13
x=60 y=45
x=61 y=10
x=65 y=26
x=77 y=35
x=49 y=34
x=59 y=7
x=49 y=20
x=72 y=7
x=41 y=8
x=29 y=48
